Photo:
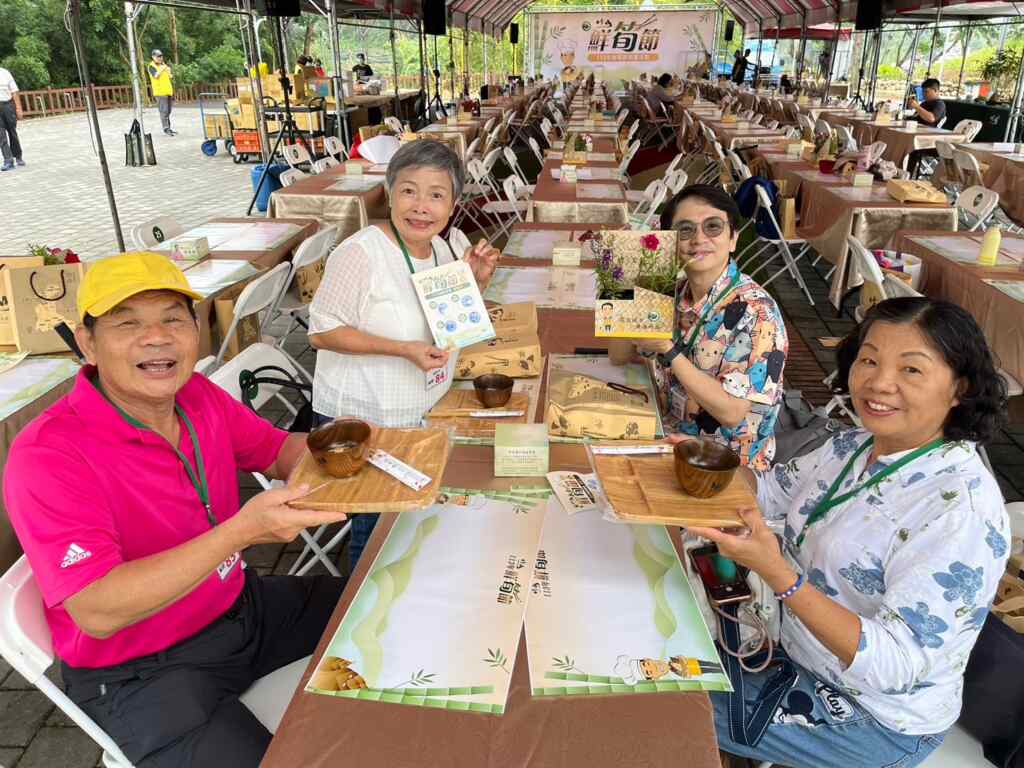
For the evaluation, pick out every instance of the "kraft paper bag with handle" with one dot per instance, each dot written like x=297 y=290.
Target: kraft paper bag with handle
x=246 y=332
x=39 y=299
x=582 y=406
x=12 y=262
x=307 y=280
x=787 y=217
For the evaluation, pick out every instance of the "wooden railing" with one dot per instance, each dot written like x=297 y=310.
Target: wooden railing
x=59 y=101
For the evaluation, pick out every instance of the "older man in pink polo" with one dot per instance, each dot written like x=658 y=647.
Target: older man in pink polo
x=124 y=495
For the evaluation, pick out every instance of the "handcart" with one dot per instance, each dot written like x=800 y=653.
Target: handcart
x=216 y=127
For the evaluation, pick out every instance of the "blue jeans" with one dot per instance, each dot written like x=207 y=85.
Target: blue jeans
x=362 y=525
x=816 y=726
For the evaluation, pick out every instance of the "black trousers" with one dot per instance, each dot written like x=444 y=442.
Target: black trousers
x=914 y=160
x=10 y=147
x=180 y=707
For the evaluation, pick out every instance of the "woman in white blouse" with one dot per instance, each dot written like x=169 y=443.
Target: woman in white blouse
x=376 y=358
x=893 y=540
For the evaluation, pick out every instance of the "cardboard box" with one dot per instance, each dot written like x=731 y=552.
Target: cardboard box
x=242 y=115
x=310 y=122
x=514 y=352
x=520 y=450
x=520 y=317
x=217 y=126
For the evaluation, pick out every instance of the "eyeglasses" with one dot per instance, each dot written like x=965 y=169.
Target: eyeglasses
x=712 y=227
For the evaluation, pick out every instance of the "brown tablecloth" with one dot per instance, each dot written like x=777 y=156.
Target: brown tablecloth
x=651 y=730
x=1000 y=316
x=538 y=254
x=900 y=140
x=311 y=199
x=275 y=256
x=730 y=136
x=1002 y=172
x=558 y=202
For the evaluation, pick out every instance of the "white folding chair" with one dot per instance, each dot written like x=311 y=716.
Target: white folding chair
x=772 y=125
x=778 y=247
x=289 y=302
x=471 y=150
x=394 y=125
x=632 y=130
x=640 y=198
x=152 y=232
x=757 y=119
x=321 y=165
x=334 y=148
x=740 y=171
x=975 y=206
x=967 y=164
x=640 y=217
x=26 y=644
x=846 y=141
x=621 y=117
x=627 y=158
x=296 y=155
x=969 y=129
x=864 y=264
x=514 y=207
x=227 y=378
x=479 y=186
x=951 y=171
x=675 y=181
x=292 y=175
x=535 y=148
x=458 y=241
x=513 y=163
x=258 y=295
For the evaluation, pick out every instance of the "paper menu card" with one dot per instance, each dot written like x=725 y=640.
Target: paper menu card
x=453 y=305
x=236 y=236
x=575 y=491
x=212 y=275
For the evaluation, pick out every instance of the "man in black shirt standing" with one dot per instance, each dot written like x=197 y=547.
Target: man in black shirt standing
x=739 y=67
x=929 y=112
x=362 y=70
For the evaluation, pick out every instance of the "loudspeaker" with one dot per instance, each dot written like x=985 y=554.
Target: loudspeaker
x=275 y=8
x=513 y=34
x=869 y=16
x=729 y=26
x=435 y=17
x=485 y=92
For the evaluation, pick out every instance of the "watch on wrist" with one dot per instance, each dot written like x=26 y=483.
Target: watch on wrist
x=666 y=358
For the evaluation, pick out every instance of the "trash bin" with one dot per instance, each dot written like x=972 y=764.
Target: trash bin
x=271 y=183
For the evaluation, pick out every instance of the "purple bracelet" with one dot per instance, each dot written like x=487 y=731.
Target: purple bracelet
x=792 y=590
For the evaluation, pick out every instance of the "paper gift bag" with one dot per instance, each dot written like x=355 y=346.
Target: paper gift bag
x=787 y=217
x=907 y=191
x=246 y=332
x=40 y=299
x=516 y=354
x=13 y=262
x=307 y=279
x=582 y=406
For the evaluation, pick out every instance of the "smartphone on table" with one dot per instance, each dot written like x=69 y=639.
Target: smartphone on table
x=724 y=581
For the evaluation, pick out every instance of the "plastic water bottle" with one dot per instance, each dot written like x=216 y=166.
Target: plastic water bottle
x=988 y=256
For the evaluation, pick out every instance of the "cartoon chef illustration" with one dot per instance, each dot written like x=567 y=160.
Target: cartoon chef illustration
x=567 y=52
x=607 y=314
x=633 y=671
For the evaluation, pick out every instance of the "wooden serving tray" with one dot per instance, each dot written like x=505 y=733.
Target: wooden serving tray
x=454 y=408
x=644 y=489
x=372 y=490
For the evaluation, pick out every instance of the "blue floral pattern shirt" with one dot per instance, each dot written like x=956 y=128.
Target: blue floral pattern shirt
x=917 y=557
x=743 y=344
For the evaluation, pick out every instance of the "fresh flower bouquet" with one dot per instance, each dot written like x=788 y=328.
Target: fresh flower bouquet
x=51 y=256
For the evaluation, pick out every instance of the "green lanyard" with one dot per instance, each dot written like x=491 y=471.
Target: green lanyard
x=830 y=499
x=405 y=251
x=197 y=476
x=706 y=313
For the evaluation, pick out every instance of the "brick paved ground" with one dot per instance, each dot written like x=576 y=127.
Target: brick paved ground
x=59 y=198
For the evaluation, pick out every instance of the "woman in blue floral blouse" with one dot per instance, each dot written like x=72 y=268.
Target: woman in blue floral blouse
x=894 y=537
x=721 y=376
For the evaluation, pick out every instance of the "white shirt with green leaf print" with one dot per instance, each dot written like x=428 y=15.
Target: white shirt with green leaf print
x=917 y=557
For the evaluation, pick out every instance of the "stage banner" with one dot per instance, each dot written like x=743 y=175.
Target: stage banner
x=618 y=45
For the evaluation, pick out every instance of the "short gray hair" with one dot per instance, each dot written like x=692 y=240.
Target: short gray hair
x=431 y=154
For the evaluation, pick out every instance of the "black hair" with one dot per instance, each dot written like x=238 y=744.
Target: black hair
x=89 y=321
x=716 y=197
x=747 y=51
x=665 y=79
x=931 y=82
x=953 y=332
x=607 y=304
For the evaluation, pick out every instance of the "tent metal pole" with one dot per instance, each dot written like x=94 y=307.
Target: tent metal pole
x=483 y=40
x=1018 y=97
x=394 y=58
x=74 y=14
x=963 y=58
x=803 y=51
x=775 y=50
x=874 y=67
x=340 y=112
x=760 y=41
x=910 y=69
x=451 y=56
x=465 y=57
x=257 y=83
x=935 y=34
x=832 y=56
x=419 y=39
x=130 y=14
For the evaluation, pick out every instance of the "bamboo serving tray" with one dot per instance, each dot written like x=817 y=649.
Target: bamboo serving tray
x=372 y=490
x=454 y=408
x=644 y=489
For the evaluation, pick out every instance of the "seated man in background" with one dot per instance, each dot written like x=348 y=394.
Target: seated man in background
x=124 y=495
x=659 y=94
x=929 y=112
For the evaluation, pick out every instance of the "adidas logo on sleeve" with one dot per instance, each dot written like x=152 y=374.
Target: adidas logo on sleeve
x=75 y=554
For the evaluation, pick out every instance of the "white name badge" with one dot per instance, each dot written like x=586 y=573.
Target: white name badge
x=224 y=569
x=437 y=377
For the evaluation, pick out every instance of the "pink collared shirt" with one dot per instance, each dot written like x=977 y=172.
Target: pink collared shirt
x=86 y=491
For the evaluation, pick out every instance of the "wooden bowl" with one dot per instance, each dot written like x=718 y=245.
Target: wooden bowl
x=704 y=468
x=341 y=447
x=493 y=390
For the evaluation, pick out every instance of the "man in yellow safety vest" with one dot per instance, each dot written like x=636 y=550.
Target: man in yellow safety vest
x=163 y=89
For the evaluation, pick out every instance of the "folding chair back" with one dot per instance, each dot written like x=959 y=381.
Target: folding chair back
x=458 y=241
x=968 y=129
x=513 y=163
x=740 y=171
x=772 y=125
x=970 y=171
x=324 y=163
x=896 y=288
x=27 y=645
x=310 y=251
x=941 y=122
x=489 y=125
x=535 y=147
x=757 y=119
x=256 y=356
x=471 y=150
x=979 y=203
x=152 y=232
x=634 y=128
x=334 y=148
x=863 y=263
x=295 y=155
x=846 y=141
x=621 y=117
x=627 y=158
x=676 y=181
x=289 y=177
x=394 y=125
x=258 y=295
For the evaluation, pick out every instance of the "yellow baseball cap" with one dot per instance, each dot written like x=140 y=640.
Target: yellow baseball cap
x=110 y=281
